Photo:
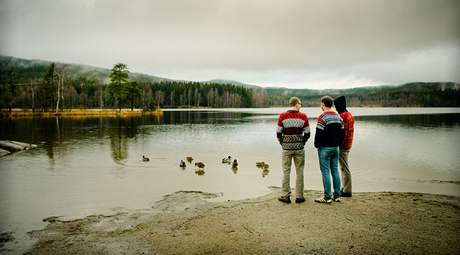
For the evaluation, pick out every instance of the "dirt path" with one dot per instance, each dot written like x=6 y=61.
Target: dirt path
x=185 y=223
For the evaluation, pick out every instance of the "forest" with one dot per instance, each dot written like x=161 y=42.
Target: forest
x=47 y=86
x=415 y=94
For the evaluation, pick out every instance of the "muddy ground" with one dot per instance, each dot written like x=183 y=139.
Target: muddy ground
x=186 y=222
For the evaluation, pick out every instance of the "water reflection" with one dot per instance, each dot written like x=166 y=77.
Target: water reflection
x=203 y=117
x=421 y=120
x=58 y=133
x=235 y=169
x=265 y=173
x=199 y=171
x=118 y=146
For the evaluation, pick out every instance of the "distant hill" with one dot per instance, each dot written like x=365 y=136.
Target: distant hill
x=421 y=94
x=236 y=83
x=26 y=69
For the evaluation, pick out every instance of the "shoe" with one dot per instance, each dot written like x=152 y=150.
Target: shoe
x=299 y=200
x=346 y=194
x=323 y=200
x=336 y=199
x=284 y=199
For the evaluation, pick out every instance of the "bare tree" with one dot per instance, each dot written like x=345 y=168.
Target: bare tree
x=33 y=94
x=60 y=74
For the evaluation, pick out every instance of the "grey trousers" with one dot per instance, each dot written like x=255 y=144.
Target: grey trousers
x=345 y=169
x=299 y=162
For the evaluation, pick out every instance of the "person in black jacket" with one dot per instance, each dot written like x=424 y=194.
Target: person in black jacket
x=329 y=136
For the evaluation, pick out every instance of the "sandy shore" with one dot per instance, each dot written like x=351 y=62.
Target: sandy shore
x=186 y=222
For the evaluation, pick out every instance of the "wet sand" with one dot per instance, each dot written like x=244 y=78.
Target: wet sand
x=187 y=222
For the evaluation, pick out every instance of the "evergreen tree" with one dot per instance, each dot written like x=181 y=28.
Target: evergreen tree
x=132 y=91
x=47 y=93
x=118 y=80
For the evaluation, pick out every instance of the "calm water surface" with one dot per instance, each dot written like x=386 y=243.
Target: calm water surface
x=93 y=165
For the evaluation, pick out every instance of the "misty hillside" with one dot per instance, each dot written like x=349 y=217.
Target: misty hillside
x=172 y=93
x=421 y=94
x=25 y=69
x=236 y=83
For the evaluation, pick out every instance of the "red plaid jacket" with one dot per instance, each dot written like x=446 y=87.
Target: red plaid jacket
x=348 y=123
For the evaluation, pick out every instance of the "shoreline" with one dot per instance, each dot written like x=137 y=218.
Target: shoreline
x=188 y=222
x=79 y=113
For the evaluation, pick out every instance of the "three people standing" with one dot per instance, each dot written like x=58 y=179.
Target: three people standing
x=333 y=139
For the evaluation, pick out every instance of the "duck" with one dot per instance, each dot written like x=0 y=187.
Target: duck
x=266 y=166
x=199 y=171
x=260 y=164
x=200 y=164
x=145 y=159
x=227 y=160
x=189 y=159
x=265 y=173
x=182 y=163
x=235 y=163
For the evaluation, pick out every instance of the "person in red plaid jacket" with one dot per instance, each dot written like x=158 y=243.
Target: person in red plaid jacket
x=348 y=122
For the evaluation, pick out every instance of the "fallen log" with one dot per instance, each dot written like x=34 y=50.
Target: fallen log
x=3 y=152
x=14 y=146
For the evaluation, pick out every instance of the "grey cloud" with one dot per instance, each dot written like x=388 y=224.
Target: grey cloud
x=241 y=38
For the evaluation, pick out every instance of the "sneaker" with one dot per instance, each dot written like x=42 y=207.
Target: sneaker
x=299 y=200
x=285 y=199
x=336 y=199
x=323 y=200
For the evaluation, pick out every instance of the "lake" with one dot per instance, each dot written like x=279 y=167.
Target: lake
x=86 y=166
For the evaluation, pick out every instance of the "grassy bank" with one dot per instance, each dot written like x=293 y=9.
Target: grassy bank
x=78 y=113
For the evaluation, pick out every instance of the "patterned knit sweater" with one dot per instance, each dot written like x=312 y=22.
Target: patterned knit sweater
x=329 y=130
x=293 y=130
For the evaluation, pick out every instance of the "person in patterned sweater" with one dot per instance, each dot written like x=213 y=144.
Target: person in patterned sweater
x=340 y=104
x=328 y=137
x=292 y=133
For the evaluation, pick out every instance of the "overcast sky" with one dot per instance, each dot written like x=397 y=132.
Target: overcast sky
x=298 y=44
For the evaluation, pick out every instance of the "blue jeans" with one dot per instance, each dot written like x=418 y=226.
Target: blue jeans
x=329 y=165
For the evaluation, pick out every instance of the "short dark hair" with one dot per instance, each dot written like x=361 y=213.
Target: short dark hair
x=327 y=101
x=293 y=101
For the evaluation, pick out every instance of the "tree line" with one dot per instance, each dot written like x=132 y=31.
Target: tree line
x=416 y=94
x=46 y=86
x=58 y=89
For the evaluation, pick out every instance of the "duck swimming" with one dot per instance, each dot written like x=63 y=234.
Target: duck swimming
x=182 y=163
x=189 y=159
x=227 y=160
x=145 y=159
x=200 y=164
x=235 y=163
x=260 y=164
